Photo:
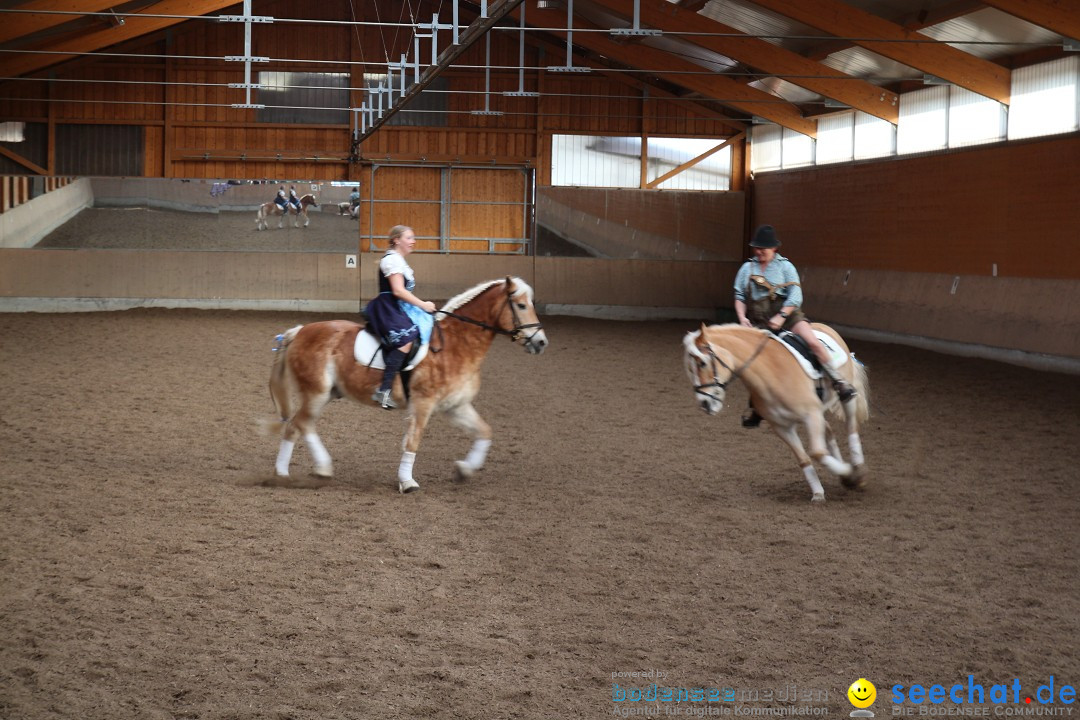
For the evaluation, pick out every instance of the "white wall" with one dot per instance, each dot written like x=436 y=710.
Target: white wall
x=25 y=225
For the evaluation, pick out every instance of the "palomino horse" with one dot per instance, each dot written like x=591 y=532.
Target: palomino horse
x=783 y=394
x=269 y=209
x=316 y=362
x=347 y=208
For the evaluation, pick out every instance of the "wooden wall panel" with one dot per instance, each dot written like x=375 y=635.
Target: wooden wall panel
x=486 y=221
x=470 y=95
x=153 y=152
x=423 y=218
x=483 y=185
x=407 y=183
x=91 y=99
x=28 y=100
x=960 y=212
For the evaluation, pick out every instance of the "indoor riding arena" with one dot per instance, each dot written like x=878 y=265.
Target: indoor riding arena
x=627 y=547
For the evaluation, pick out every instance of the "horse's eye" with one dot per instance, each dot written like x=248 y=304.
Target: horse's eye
x=521 y=306
x=701 y=364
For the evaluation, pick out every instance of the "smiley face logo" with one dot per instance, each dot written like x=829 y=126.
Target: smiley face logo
x=862 y=693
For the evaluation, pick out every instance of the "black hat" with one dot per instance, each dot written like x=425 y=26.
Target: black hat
x=765 y=237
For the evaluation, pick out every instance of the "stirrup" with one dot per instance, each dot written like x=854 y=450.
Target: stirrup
x=751 y=419
x=384 y=399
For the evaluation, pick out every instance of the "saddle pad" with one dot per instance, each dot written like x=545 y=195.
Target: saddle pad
x=366 y=352
x=836 y=356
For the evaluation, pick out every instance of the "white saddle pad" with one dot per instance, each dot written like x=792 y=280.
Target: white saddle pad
x=836 y=356
x=366 y=352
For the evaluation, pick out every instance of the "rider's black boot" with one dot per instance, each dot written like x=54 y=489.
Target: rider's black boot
x=383 y=396
x=843 y=388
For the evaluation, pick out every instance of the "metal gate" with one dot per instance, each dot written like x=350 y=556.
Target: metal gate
x=452 y=209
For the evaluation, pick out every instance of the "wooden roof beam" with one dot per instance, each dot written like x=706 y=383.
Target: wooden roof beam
x=654 y=92
x=1061 y=16
x=936 y=58
x=771 y=59
x=134 y=26
x=909 y=21
x=17 y=25
x=662 y=64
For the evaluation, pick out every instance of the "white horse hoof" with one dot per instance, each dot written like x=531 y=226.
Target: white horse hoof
x=818 y=498
x=464 y=470
x=407 y=486
x=325 y=471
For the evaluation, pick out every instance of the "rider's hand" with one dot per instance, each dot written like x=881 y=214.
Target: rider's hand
x=776 y=322
x=745 y=322
x=428 y=306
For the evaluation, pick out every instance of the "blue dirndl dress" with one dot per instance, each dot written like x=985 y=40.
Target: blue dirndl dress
x=395 y=321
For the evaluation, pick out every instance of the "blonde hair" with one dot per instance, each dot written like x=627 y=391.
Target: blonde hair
x=396 y=232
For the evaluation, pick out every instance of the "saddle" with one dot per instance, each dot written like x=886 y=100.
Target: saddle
x=368 y=351
x=807 y=360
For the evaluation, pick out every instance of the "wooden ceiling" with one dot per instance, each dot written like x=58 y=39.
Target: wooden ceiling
x=780 y=60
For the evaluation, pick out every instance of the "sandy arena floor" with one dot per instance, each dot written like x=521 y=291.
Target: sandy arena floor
x=147 y=572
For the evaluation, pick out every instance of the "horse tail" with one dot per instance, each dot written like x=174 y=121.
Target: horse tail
x=862 y=385
x=281 y=381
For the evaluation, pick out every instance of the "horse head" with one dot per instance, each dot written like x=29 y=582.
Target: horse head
x=710 y=369
x=518 y=316
x=504 y=307
x=308 y=199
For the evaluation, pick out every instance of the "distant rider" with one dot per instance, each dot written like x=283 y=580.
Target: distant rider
x=281 y=200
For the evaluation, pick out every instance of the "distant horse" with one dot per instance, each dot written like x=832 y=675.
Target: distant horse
x=347 y=208
x=316 y=362
x=783 y=394
x=269 y=209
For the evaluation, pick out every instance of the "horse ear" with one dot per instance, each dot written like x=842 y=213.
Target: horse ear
x=704 y=327
x=509 y=282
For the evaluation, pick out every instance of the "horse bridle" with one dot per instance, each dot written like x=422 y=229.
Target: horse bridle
x=735 y=373
x=514 y=334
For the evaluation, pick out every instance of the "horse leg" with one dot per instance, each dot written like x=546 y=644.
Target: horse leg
x=857 y=477
x=465 y=417
x=306 y=219
x=816 y=427
x=419 y=414
x=830 y=440
x=303 y=423
x=791 y=436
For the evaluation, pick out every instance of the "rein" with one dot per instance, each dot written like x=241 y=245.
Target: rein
x=514 y=334
x=735 y=373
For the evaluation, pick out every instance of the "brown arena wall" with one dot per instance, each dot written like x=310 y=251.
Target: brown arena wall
x=907 y=246
x=1016 y=205
x=72 y=280
x=647 y=223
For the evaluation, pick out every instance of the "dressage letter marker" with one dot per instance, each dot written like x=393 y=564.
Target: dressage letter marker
x=350 y=261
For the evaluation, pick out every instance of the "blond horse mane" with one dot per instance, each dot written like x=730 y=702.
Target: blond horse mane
x=472 y=293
